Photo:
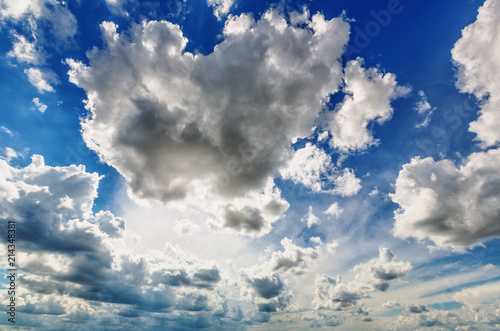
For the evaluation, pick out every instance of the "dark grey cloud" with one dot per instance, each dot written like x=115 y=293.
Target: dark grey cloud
x=416 y=309
x=267 y=287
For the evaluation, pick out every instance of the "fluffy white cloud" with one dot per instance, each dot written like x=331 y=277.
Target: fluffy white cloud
x=347 y=184
x=368 y=98
x=240 y=24
x=24 y=51
x=334 y=210
x=379 y=271
x=294 y=259
x=310 y=219
x=312 y=167
x=454 y=206
x=221 y=7
x=39 y=106
x=40 y=79
x=219 y=125
x=476 y=55
x=217 y=113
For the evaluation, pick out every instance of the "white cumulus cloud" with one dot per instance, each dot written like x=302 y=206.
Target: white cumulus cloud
x=39 y=106
x=453 y=206
x=368 y=98
x=334 y=210
x=313 y=167
x=221 y=7
x=476 y=55
x=25 y=51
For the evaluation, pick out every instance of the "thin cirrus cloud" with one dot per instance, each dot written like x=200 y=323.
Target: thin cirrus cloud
x=25 y=51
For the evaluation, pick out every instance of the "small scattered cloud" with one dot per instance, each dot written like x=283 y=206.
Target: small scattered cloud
x=391 y=304
x=39 y=106
x=313 y=167
x=221 y=7
x=310 y=219
x=424 y=109
x=25 y=51
x=368 y=99
x=334 y=210
x=40 y=79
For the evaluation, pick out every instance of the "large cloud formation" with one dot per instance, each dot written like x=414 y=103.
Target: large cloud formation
x=179 y=125
x=75 y=262
x=476 y=55
x=171 y=121
x=184 y=128
x=452 y=206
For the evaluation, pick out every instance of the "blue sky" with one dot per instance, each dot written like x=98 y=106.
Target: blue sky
x=226 y=164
